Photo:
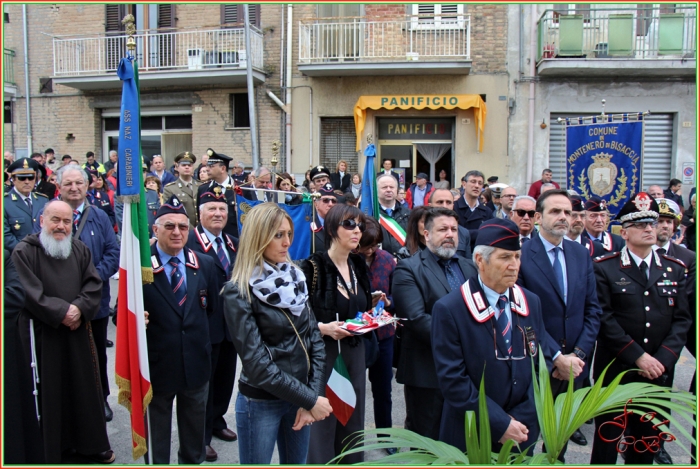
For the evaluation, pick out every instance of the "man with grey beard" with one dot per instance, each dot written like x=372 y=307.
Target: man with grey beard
x=63 y=291
x=420 y=281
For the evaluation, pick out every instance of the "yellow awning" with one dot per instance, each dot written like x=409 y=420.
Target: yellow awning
x=431 y=101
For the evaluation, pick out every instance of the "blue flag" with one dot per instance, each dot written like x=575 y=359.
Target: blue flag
x=369 y=203
x=301 y=220
x=129 y=173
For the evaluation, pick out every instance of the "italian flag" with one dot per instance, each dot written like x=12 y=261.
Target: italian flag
x=131 y=364
x=340 y=392
x=393 y=228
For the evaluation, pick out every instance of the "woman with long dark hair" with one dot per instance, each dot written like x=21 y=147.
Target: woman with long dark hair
x=414 y=232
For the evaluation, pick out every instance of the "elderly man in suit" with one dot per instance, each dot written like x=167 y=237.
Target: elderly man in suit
x=218 y=169
x=560 y=272
x=595 y=223
x=208 y=239
x=420 y=281
x=490 y=329
x=22 y=204
x=180 y=299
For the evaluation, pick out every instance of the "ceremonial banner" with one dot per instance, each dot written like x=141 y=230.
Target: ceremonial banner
x=131 y=364
x=340 y=392
x=605 y=159
x=301 y=220
x=369 y=203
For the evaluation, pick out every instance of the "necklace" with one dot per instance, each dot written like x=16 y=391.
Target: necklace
x=353 y=282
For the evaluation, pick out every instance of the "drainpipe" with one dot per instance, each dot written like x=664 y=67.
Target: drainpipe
x=26 y=80
x=288 y=94
x=531 y=99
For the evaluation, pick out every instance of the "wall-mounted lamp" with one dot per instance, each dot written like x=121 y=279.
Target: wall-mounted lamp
x=70 y=137
x=543 y=125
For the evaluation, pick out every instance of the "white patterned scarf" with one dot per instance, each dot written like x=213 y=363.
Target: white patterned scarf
x=282 y=285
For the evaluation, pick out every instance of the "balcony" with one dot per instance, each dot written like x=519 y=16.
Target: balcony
x=628 y=42
x=165 y=58
x=418 y=45
x=8 y=72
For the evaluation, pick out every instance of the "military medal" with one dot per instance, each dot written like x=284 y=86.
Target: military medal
x=16 y=226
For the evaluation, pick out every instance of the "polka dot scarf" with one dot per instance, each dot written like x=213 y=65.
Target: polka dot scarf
x=281 y=285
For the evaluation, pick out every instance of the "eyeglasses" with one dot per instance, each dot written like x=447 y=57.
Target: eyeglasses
x=329 y=200
x=510 y=357
x=26 y=178
x=521 y=213
x=172 y=226
x=351 y=224
x=642 y=225
x=512 y=196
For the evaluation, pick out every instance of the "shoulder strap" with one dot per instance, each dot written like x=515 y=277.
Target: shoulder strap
x=83 y=220
x=313 y=281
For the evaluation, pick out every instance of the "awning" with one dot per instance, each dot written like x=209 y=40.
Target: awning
x=459 y=101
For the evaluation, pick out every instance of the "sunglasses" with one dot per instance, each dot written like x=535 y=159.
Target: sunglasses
x=26 y=178
x=329 y=201
x=351 y=224
x=521 y=213
x=180 y=226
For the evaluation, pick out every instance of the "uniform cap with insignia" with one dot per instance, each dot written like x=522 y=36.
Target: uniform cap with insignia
x=319 y=171
x=497 y=187
x=215 y=157
x=185 y=158
x=596 y=204
x=642 y=208
x=327 y=191
x=499 y=233
x=214 y=194
x=172 y=205
x=23 y=166
x=669 y=209
x=577 y=204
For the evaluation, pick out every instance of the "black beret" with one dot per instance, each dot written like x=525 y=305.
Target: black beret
x=577 y=204
x=172 y=205
x=499 y=233
x=215 y=193
x=327 y=190
x=596 y=204
x=641 y=208
x=24 y=166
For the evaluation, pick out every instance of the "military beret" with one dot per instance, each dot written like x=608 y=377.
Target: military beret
x=215 y=157
x=668 y=208
x=577 y=204
x=499 y=233
x=596 y=204
x=327 y=190
x=172 y=205
x=23 y=166
x=185 y=158
x=215 y=193
x=642 y=208
x=319 y=171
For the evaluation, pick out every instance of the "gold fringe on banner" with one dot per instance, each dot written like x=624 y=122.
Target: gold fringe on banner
x=146 y=275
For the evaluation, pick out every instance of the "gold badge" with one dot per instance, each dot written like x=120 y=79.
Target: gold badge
x=669 y=269
x=16 y=226
x=25 y=165
x=210 y=152
x=14 y=197
x=217 y=191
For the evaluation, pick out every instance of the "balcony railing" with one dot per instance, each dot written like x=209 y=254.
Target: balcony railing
x=356 y=39
x=8 y=67
x=172 y=50
x=617 y=33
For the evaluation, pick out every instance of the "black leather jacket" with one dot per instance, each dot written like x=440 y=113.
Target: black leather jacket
x=273 y=359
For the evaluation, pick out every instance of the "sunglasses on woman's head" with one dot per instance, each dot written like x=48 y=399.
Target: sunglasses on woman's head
x=351 y=224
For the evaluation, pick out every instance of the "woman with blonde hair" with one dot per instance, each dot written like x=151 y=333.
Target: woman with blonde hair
x=341 y=178
x=282 y=384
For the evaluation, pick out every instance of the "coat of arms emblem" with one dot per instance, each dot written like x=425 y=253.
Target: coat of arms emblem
x=602 y=174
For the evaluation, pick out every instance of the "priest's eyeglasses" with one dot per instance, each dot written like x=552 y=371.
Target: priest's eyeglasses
x=517 y=331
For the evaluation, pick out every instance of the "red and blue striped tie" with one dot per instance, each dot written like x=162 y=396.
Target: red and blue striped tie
x=177 y=282
x=503 y=323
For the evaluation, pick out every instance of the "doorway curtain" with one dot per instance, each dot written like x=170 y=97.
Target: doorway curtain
x=432 y=152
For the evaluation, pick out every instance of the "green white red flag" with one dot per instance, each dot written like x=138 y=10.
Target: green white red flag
x=394 y=229
x=340 y=392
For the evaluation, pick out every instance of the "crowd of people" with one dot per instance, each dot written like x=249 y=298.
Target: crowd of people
x=482 y=277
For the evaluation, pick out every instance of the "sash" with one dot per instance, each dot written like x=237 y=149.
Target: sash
x=393 y=228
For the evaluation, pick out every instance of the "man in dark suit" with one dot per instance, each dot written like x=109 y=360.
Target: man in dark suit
x=262 y=181
x=443 y=198
x=595 y=222
x=560 y=272
x=218 y=170
x=644 y=323
x=472 y=213
x=22 y=205
x=419 y=281
x=490 y=329
x=180 y=299
x=391 y=211
x=669 y=219
x=388 y=164
x=159 y=171
x=577 y=225
x=208 y=239
x=43 y=186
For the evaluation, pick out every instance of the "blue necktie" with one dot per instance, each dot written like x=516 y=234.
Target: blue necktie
x=450 y=274
x=388 y=211
x=177 y=282
x=503 y=323
x=222 y=254
x=558 y=270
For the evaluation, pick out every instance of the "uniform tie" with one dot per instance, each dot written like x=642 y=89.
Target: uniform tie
x=76 y=220
x=524 y=240
x=645 y=269
x=222 y=254
x=28 y=201
x=558 y=270
x=661 y=251
x=450 y=274
x=503 y=323
x=177 y=282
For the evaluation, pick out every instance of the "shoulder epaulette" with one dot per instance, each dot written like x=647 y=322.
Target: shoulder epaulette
x=673 y=259
x=606 y=257
x=170 y=184
x=41 y=195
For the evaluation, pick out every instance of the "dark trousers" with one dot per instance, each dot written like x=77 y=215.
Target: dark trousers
x=191 y=416
x=381 y=375
x=423 y=410
x=223 y=377
x=99 y=334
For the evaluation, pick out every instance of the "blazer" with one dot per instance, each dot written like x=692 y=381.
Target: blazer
x=179 y=348
x=418 y=284
x=231 y=227
x=19 y=219
x=393 y=173
x=199 y=242
x=576 y=321
x=168 y=177
x=611 y=242
x=472 y=220
x=464 y=246
x=343 y=185
x=688 y=257
x=463 y=331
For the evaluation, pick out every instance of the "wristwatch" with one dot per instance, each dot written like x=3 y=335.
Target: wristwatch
x=580 y=353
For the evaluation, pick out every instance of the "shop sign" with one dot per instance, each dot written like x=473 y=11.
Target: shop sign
x=415 y=129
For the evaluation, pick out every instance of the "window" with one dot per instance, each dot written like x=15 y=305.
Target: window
x=240 y=117
x=232 y=15
x=7 y=116
x=437 y=16
x=175 y=122
x=338 y=143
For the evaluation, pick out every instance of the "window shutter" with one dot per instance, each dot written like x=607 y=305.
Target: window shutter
x=229 y=14
x=166 y=15
x=114 y=13
x=338 y=143
x=253 y=15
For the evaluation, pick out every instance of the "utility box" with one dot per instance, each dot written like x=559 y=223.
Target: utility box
x=195 y=58
x=242 y=58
